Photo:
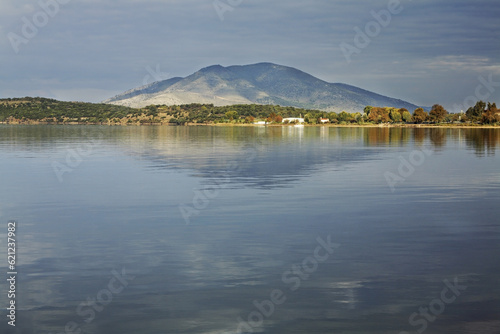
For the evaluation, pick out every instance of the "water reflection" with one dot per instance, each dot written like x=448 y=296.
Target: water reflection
x=285 y=187
x=259 y=157
x=256 y=156
x=377 y=136
x=275 y=157
x=438 y=137
x=172 y=140
x=419 y=135
x=483 y=141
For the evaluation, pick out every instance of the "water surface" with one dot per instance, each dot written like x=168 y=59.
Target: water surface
x=208 y=222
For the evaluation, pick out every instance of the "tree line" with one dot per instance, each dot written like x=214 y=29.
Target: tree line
x=53 y=111
x=481 y=113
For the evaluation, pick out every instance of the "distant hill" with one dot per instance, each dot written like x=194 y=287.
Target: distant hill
x=43 y=109
x=263 y=83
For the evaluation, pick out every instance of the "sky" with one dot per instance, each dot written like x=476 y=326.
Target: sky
x=425 y=52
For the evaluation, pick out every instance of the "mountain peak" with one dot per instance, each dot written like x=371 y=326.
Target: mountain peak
x=212 y=68
x=260 y=83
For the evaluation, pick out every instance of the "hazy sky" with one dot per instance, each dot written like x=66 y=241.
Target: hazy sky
x=423 y=51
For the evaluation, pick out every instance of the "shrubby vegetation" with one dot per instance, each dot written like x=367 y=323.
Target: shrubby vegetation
x=53 y=111
x=42 y=110
x=35 y=110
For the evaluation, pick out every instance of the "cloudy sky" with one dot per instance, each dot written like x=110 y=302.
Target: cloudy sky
x=425 y=52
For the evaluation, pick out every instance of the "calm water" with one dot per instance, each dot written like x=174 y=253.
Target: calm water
x=252 y=229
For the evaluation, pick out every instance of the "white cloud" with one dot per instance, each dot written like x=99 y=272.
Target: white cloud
x=462 y=63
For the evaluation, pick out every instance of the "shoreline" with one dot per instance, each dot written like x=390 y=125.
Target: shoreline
x=417 y=126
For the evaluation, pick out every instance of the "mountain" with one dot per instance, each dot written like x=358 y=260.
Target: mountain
x=263 y=83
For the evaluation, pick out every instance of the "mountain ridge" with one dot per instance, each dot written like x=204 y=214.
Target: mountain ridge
x=260 y=83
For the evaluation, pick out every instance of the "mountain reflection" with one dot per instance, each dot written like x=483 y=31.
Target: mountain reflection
x=248 y=147
x=257 y=157
x=273 y=157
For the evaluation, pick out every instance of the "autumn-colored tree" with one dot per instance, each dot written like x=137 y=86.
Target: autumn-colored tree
x=249 y=119
x=438 y=113
x=453 y=117
x=492 y=115
x=274 y=118
x=379 y=115
x=419 y=115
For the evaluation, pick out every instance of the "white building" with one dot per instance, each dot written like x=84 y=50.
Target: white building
x=293 y=119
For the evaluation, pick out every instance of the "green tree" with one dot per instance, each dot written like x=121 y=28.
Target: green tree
x=357 y=117
x=309 y=118
x=476 y=113
x=151 y=111
x=231 y=115
x=367 y=110
x=402 y=111
x=407 y=117
x=395 y=116
x=344 y=117
x=332 y=117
